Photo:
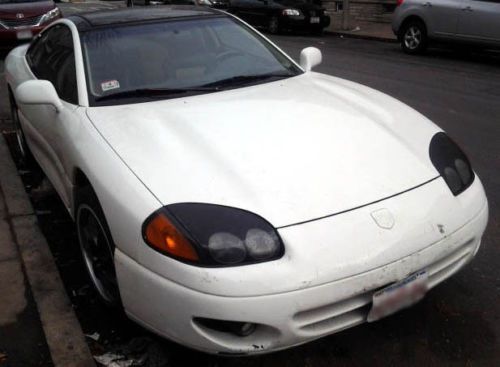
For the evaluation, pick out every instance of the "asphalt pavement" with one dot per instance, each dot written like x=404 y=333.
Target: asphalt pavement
x=458 y=323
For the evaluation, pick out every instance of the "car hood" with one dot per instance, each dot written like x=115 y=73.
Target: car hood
x=291 y=150
x=29 y=9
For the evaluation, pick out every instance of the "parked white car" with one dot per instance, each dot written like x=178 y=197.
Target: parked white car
x=230 y=199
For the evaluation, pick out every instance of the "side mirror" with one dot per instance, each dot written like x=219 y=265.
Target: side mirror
x=33 y=92
x=309 y=58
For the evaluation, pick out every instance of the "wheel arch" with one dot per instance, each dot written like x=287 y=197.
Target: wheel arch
x=408 y=19
x=85 y=193
x=11 y=95
x=125 y=201
x=80 y=181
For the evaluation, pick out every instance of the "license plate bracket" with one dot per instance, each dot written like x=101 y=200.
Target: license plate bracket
x=398 y=296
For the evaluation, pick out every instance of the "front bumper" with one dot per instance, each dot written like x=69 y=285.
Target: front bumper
x=285 y=318
x=302 y=22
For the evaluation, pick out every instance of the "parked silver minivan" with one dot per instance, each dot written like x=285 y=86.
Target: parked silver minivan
x=415 y=22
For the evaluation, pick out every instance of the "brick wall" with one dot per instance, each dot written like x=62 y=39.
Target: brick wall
x=363 y=10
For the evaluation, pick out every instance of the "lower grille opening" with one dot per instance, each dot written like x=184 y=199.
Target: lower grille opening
x=239 y=328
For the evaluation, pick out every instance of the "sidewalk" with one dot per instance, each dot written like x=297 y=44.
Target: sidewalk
x=365 y=30
x=37 y=324
x=22 y=342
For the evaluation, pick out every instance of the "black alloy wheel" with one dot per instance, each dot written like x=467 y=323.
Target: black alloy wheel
x=97 y=247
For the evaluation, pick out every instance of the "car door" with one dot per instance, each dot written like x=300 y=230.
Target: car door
x=51 y=57
x=480 y=21
x=441 y=17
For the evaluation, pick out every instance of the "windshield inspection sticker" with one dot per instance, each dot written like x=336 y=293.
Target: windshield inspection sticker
x=109 y=85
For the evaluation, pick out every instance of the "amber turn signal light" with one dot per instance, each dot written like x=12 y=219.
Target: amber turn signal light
x=162 y=235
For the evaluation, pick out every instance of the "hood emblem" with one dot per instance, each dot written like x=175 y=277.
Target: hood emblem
x=383 y=218
x=19 y=15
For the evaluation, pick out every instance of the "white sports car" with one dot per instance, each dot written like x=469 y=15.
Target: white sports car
x=228 y=198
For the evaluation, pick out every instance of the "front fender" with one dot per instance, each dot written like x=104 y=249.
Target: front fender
x=125 y=201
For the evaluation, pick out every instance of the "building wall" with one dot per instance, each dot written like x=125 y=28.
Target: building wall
x=362 y=10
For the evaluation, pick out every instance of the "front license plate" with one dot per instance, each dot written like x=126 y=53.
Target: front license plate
x=24 y=34
x=314 y=20
x=398 y=296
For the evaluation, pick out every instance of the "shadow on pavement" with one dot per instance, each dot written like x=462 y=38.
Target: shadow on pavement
x=466 y=54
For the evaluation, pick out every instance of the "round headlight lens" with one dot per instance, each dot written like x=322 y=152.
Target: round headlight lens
x=452 y=179
x=226 y=248
x=261 y=244
x=463 y=170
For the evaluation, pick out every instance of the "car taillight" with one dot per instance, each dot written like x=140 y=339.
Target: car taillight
x=399 y=2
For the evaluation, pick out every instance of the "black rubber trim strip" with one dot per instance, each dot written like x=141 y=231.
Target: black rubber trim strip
x=358 y=207
x=137 y=22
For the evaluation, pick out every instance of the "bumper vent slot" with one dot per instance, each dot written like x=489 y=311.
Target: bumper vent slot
x=341 y=315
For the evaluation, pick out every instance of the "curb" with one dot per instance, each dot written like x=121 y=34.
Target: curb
x=61 y=328
x=363 y=36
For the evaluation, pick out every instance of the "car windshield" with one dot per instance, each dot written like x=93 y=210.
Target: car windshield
x=20 y=1
x=178 y=58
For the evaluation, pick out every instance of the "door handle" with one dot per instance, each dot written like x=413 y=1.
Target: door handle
x=467 y=8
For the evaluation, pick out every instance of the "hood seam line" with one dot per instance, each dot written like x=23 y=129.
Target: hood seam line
x=358 y=207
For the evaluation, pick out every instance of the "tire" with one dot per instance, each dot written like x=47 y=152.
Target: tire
x=22 y=147
x=413 y=37
x=97 y=246
x=273 y=26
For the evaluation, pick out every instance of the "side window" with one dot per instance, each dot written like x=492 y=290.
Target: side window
x=51 y=57
x=35 y=49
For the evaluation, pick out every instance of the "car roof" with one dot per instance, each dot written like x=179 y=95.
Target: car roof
x=137 y=15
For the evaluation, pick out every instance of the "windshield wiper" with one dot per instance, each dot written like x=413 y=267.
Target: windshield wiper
x=155 y=92
x=245 y=79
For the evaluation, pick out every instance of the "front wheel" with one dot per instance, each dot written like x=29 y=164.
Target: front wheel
x=97 y=246
x=413 y=37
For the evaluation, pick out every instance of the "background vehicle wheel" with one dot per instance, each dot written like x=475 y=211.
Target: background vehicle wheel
x=97 y=246
x=413 y=37
x=274 y=25
x=26 y=157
